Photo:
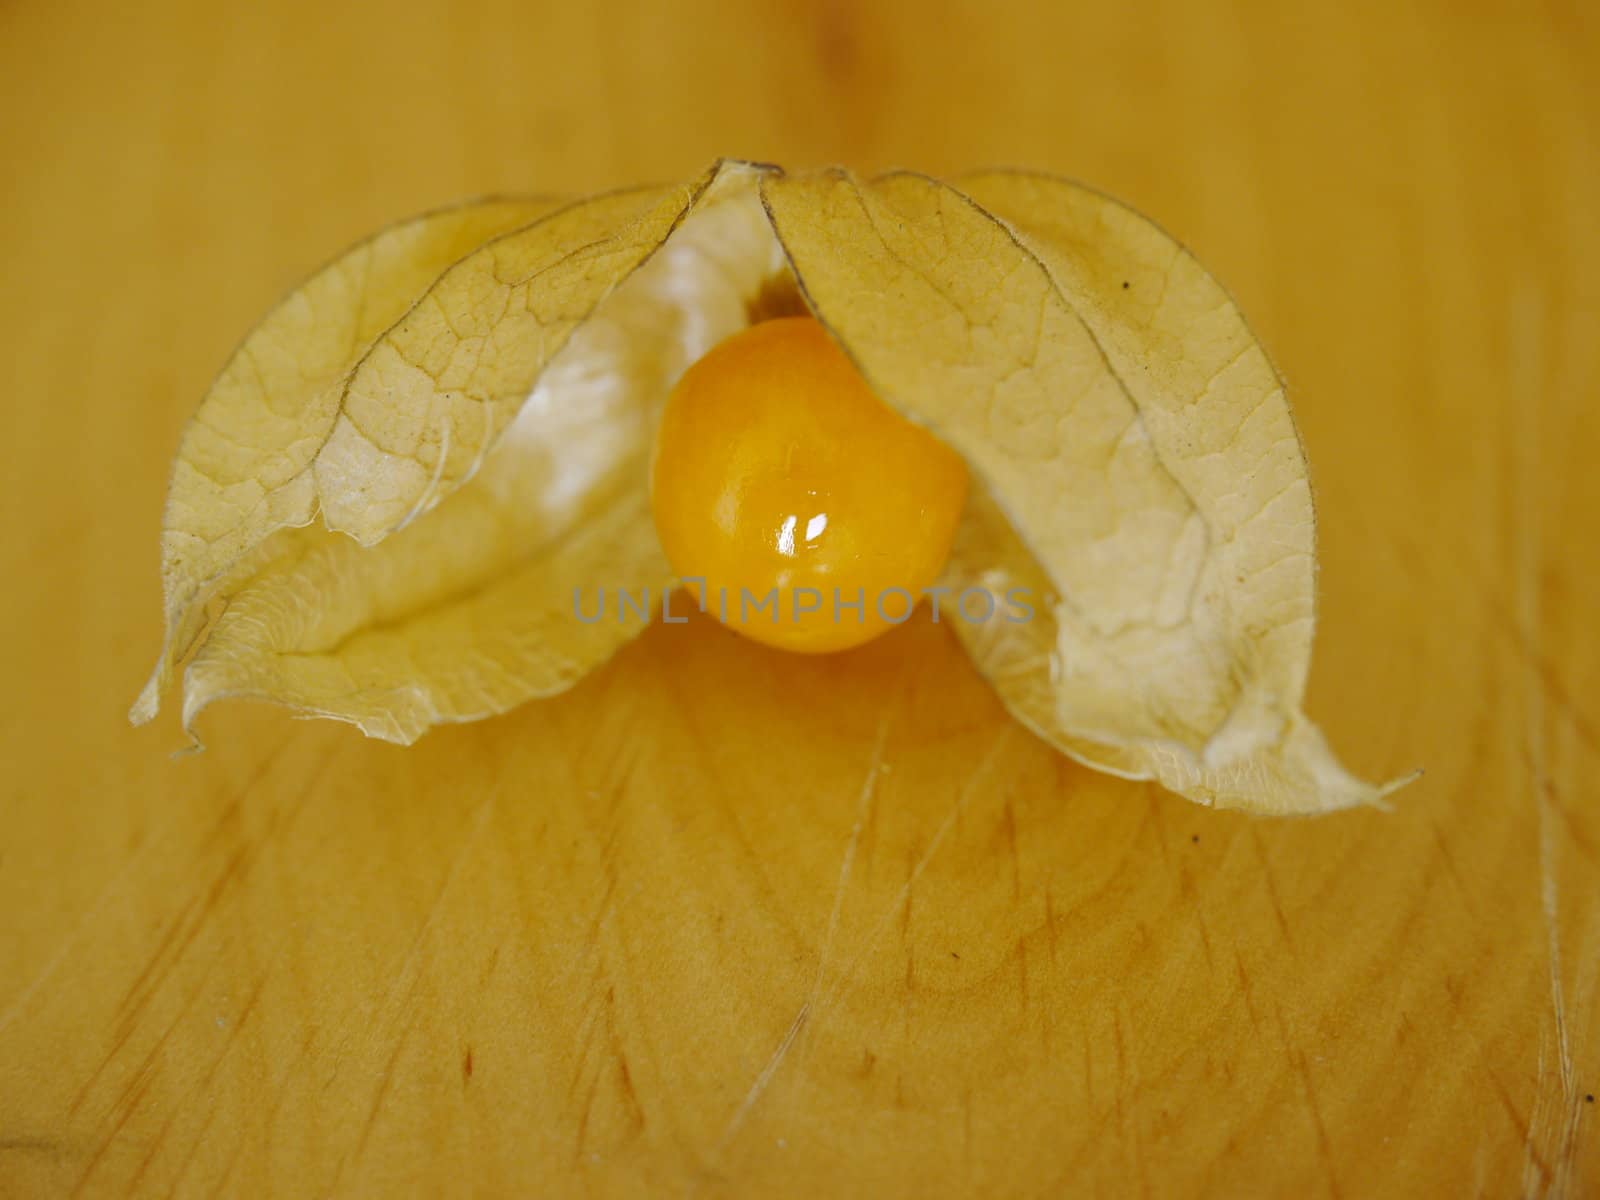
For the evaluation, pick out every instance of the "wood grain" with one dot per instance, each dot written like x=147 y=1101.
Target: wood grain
x=723 y=922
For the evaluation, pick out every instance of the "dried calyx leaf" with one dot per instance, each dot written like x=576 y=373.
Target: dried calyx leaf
x=471 y=398
x=453 y=610
x=1143 y=469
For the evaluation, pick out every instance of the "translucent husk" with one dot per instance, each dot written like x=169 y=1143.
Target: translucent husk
x=466 y=402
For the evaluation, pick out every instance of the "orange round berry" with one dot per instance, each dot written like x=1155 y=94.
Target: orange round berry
x=814 y=513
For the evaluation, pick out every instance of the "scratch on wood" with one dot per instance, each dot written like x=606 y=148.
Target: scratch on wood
x=1272 y=888
x=903 y=899
x=1022 y=973
x=146 y=1070
x=1534 y=1169
x=46 y=1147
x=1050 y=926
x=385 y=1080
x=88 y=920
x=877 y=931
x=618 y=1060
x=1191 y=899
x=763 y=1078
x=1122 y=1063
x=1329 y=1162
x=1449 y=862
x=1244 y=990
x=292 y=1072
x=630 y=1095
x=583 y=1117
x=171 y=950
x=1544 y=670
x=159 y=954
x=1555 y=1114
x=1576 y=837
x=589 y=1027
x=410 y=968
x=204 y=1087
x=966 y=1129
x=159 y=1140
x=193 y=917
x=1008 y=820
x=869 y=786
x=111 y=1136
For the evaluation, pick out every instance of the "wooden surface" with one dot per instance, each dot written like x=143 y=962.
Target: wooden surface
x=723 y=922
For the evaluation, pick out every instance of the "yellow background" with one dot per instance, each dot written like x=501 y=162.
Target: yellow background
x=647 y=938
